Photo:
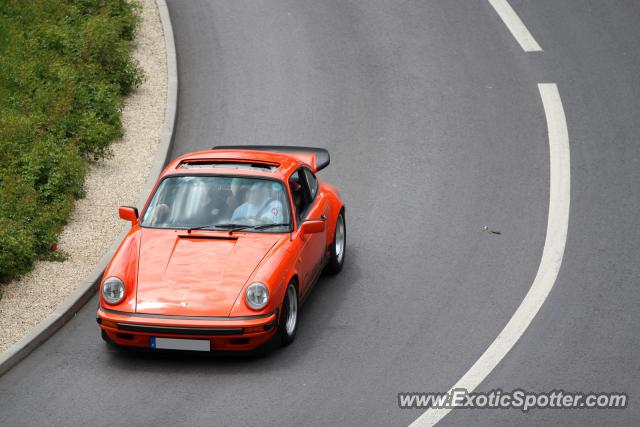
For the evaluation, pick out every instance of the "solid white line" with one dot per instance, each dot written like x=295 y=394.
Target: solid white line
x=516 y=26
x=557 y=224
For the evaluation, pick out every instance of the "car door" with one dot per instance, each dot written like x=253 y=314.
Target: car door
x=308 y=204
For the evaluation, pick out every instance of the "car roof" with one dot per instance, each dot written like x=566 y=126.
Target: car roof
x=282 y=165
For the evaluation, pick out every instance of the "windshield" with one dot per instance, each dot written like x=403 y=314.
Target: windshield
x=201 y=201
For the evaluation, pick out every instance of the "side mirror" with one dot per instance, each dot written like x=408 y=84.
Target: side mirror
x=128 y=213
x=312 y=226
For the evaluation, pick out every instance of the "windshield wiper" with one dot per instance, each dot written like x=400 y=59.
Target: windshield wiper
x=231 y=227
x=265 y=226
x=237 y=227
x=254 y=227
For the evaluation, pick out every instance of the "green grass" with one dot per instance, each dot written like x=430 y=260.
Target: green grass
x=65 y=67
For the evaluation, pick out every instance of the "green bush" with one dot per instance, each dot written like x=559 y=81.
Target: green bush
x=65 y=66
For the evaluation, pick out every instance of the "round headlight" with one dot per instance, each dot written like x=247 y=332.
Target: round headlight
x=257 y=296
x=113 y=290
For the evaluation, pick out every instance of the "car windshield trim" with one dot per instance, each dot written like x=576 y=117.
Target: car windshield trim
x=226 y=230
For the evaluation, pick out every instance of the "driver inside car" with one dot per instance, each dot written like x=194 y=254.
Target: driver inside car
x=261 y=207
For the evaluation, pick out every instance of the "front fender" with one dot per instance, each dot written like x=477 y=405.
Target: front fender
x=124 y=265
x=275 y=271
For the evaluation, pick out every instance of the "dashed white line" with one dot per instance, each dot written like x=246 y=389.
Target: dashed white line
x=516 y=26
x=557 y=225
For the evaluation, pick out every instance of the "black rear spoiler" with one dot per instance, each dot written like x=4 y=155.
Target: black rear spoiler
x=321 y=154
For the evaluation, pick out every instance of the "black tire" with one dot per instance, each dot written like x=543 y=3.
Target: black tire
x=338 y=250
x=288 y=323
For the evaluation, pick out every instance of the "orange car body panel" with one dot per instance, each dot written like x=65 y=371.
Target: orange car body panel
x=175 y=279
x=188 y=275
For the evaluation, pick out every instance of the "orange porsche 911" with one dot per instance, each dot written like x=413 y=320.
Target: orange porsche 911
x=227 y=247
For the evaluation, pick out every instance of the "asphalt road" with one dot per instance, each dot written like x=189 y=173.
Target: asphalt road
x=432 y=115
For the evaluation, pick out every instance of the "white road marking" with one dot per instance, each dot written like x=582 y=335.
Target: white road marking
x=557 y=225
x=516 y=26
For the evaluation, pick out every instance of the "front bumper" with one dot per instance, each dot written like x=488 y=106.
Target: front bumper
x=224 y=333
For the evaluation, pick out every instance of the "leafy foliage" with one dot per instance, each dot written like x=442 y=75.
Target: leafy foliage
x=65 y=66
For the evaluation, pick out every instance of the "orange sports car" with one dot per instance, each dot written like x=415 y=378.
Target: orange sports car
x=227 y=247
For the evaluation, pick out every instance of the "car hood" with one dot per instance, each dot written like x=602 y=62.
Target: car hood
x=199 y=274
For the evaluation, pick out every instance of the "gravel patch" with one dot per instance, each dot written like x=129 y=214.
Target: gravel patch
x=94 y=224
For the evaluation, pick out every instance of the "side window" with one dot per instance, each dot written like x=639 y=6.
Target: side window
x=312 y=181
x=299 y=193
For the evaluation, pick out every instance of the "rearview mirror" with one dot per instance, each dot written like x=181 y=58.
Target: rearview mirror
x=312 y=226
x=128 y=213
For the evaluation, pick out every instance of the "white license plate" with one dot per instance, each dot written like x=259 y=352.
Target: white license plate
x=180 y=344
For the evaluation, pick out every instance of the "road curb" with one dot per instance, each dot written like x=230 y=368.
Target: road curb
x=74 y=302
